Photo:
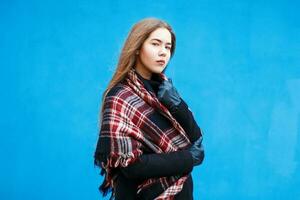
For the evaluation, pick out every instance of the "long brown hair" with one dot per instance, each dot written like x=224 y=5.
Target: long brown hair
x=137 y=36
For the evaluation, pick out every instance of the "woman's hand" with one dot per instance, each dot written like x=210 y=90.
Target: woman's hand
x=168 y=95
x=197 y=151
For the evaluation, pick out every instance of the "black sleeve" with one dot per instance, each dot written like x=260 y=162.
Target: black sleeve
x=186 y=119
x=160 y=165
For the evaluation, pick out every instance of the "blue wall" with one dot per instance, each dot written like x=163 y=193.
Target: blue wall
x=236 y=64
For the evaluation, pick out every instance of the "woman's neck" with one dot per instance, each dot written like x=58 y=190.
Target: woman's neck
x=143 y=72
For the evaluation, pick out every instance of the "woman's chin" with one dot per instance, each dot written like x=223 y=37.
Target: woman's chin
x=158 y=69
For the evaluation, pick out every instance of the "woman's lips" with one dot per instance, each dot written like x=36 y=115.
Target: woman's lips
x=161 y=62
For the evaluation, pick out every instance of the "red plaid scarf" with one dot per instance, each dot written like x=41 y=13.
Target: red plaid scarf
x=128 y=130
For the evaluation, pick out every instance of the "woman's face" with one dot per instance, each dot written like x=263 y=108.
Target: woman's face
x=155 y=53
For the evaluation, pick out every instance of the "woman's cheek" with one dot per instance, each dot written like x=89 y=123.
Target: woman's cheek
x=149 y=51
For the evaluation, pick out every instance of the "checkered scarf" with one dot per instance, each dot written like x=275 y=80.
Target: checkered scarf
x=126 y=130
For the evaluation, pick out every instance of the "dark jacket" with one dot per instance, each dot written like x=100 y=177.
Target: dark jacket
x=152 y=165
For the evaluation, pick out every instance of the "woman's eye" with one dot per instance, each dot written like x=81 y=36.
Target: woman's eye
x=168 y=47
x=155 y=44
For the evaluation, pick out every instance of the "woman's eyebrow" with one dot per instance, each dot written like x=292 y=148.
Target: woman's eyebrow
x=161 y=41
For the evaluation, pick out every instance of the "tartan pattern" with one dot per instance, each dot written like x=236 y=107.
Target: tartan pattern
x=168 y=194
x=130 y=126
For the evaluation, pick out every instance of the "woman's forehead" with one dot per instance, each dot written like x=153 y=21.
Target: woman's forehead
x=161 y=34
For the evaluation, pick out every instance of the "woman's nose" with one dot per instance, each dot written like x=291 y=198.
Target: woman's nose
x=163 y=51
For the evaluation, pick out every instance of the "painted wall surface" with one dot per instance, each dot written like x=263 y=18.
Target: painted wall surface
x=236 y=64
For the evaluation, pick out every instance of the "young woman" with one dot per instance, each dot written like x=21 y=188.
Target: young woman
x=149 y=141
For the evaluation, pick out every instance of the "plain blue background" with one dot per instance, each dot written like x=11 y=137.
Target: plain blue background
x=236 y=64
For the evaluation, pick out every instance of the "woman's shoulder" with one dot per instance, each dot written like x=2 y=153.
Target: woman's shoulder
x=120 y=91
x=121 y=95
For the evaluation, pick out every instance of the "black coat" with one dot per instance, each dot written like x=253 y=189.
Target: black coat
x=152 y=165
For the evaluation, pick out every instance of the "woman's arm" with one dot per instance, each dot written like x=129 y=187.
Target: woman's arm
x=160 y=165
x=186 y=119
x=169 y=96
x=151 y=166
x=154 y=166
